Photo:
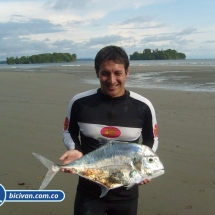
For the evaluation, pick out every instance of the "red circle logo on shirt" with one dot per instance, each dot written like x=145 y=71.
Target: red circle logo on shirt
x=155 y=130
x=66 y=124
x=110 y=132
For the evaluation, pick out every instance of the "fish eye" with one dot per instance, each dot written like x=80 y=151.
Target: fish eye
x=150 y=159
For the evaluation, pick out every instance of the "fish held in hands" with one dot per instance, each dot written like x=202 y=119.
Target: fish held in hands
x=113 y=165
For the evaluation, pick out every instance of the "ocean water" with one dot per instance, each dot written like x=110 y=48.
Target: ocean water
x=174 y=80
x=188 y=62
x=186 y=80
x=183 y=80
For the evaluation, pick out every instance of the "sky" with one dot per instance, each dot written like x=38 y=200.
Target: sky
x=83 y=27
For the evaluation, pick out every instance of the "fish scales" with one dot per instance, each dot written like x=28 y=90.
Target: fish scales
x=112 y=153
x=113 y=165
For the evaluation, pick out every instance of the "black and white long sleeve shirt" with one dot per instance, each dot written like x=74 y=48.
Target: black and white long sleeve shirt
x=92 y=115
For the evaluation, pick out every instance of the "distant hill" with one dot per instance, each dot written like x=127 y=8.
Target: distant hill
x=43 y=58
x=156 y=54
x=3 y=62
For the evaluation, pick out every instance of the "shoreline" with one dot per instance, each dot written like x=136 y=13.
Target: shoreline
x=138 y=68
x=33 y=108
x=177 y=78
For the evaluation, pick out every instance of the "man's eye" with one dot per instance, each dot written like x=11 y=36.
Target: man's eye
x=118 y=73
x=103 y=74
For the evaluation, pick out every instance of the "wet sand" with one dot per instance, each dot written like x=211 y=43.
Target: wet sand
x=33 y=107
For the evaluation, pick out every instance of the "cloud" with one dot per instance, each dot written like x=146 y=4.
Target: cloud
x=85 y=26
x=174 y=36
x=89 y=9
x=140 y=23
x=154 y=26
x=106 y=40
x=27 y=27
x=156 y=38
x=137 y=19
x=187 y=31
x=65 y=4
x=210 y=41
x=14 y=46
x=110 y=5
x=17 y=47
x=67 y=46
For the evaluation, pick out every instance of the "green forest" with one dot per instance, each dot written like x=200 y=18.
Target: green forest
x=156 y=54
x=43 y=58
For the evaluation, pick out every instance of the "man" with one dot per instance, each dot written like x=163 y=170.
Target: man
x=109 y=112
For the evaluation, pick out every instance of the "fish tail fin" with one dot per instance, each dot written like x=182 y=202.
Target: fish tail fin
x=53 y=169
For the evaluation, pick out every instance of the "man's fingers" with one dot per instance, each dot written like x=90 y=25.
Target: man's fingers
x=63 y=157
x=146 y=181
x=68 y=171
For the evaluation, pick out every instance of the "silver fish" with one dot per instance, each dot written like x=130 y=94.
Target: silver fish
x=113 y=165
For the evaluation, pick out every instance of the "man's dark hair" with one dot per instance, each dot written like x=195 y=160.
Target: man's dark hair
x=114 y=53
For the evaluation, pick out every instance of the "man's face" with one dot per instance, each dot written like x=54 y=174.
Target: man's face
x=112 y=78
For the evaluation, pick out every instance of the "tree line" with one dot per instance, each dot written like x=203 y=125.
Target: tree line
x=156 y=54
x=43 y=58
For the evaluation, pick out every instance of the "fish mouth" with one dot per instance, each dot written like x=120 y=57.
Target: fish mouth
x=159 y=171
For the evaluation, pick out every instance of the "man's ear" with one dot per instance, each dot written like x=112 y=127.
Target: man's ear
x=97 y=73
x=127 y=72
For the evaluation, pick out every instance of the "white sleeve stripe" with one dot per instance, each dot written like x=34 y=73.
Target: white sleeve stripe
x=68 y=141
x=154 y=120
x=78 y=96
x=146 y=101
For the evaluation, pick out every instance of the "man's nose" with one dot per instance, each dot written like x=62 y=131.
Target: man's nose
x=112 y=78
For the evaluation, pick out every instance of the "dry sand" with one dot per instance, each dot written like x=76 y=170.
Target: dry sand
x=33 y=106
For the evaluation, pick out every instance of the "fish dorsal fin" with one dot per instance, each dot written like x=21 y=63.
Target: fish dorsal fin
x=104 y=191
x=103 y=141
x=137 y=162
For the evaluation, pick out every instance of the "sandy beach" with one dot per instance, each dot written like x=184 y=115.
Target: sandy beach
x=33 y=107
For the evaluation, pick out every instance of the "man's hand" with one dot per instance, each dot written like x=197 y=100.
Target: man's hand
x=69 y=157
x=146 y=181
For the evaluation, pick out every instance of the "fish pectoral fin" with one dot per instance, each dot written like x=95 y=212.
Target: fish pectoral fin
x=104 y=191
x=129 y=186
x=137 y=162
